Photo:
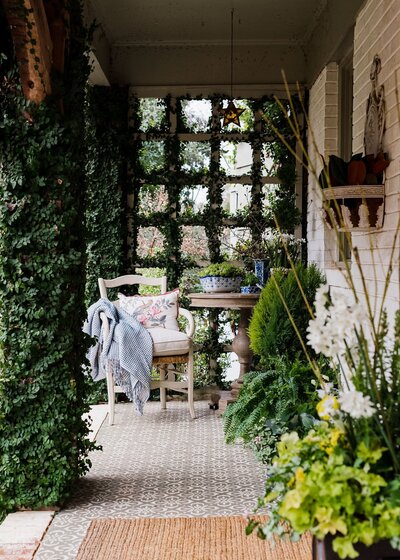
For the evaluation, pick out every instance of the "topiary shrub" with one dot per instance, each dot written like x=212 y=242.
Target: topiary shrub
x=271 y=332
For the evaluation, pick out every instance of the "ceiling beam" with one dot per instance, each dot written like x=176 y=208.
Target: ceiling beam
x=33 y=46
x=200 y=67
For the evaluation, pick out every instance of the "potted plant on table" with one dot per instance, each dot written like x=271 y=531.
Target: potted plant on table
x=270 y=253
x=250 y=284
x=221 y=277
x=280 y=248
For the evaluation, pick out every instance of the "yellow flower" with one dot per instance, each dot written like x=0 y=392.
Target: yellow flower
x=300 y=475
x=327 y=406
x=335 y=436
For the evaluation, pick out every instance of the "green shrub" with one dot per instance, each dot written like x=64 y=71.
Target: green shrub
x=271 y=332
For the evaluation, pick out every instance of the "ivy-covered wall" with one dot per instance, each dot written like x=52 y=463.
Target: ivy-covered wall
x=43 y=439
x=107 y=151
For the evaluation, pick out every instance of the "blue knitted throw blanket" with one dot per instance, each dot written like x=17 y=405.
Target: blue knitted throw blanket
x=128 y=351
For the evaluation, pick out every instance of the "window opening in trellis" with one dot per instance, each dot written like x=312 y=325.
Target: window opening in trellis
x=196 y=114
x=152 y=199
x=195 y=157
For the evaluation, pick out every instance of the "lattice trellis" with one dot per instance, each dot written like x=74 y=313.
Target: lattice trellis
x=173 y=133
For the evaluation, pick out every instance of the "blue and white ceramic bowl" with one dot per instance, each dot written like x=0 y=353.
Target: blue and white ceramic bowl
x=250 y=290
x=220 y=284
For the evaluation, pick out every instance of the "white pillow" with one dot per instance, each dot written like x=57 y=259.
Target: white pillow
x=153 y=311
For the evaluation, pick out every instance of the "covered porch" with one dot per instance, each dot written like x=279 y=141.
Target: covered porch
x=100 y=176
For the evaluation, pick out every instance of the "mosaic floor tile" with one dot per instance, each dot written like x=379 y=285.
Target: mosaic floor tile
x=161 y=464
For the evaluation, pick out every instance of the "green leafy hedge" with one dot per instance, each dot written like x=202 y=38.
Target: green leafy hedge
x=43 y=439
x=106 y=120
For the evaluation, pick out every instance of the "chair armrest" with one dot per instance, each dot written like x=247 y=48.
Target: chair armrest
x=105 y=325
x=190 y=327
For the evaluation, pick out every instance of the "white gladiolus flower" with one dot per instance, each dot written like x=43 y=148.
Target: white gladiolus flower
x=356 y=404
x=334 y=330
x=326 y=390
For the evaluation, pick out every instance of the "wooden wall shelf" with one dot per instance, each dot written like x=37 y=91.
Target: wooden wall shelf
x=357 y=207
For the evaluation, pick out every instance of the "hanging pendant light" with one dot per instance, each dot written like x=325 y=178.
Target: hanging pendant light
x=231 y=113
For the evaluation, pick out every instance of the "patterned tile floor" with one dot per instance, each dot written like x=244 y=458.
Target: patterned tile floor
x=162 y=464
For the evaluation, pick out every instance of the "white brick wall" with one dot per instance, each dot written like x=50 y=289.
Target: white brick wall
x=377 y=31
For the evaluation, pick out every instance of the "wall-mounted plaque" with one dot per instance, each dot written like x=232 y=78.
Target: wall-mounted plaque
x=375 y=118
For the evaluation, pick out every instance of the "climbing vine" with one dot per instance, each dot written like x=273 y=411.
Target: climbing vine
x=43 y=439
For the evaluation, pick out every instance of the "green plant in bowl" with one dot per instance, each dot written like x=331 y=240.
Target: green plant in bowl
x=225 y=270
x=250 y=279
x=221 y=277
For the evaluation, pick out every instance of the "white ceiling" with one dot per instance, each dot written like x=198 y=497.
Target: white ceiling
x=169 y=44
x=163 y=22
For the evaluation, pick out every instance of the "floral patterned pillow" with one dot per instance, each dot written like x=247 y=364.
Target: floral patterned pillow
x=153 y=311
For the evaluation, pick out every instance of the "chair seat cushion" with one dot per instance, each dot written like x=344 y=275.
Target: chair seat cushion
x=168 y=342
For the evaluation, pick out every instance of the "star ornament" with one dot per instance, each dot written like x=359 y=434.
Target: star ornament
x=231 y=114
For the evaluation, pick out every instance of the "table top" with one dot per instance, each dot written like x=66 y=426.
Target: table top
x=223 y=300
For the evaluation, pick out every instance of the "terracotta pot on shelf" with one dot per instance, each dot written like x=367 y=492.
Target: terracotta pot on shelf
x=322 y=550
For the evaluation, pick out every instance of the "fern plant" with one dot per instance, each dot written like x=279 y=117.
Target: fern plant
x=284 y=397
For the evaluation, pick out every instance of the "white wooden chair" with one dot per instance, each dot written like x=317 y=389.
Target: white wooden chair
x=170 y=347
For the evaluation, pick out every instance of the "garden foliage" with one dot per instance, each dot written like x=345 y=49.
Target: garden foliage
x=107 y=148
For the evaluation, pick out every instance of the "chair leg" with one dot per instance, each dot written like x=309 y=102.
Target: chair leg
x=163 y=391
x=111 y=396
x=190 y=376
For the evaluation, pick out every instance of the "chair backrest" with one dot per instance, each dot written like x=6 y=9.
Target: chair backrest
x=130 y=279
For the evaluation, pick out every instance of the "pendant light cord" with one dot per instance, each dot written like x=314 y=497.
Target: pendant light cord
x=232 y=53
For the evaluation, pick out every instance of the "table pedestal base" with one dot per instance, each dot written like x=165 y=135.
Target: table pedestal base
x=226 y=398
x=241 y=347
x=240 y=344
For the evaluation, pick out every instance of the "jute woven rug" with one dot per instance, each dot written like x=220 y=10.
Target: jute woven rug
x=189 y=538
